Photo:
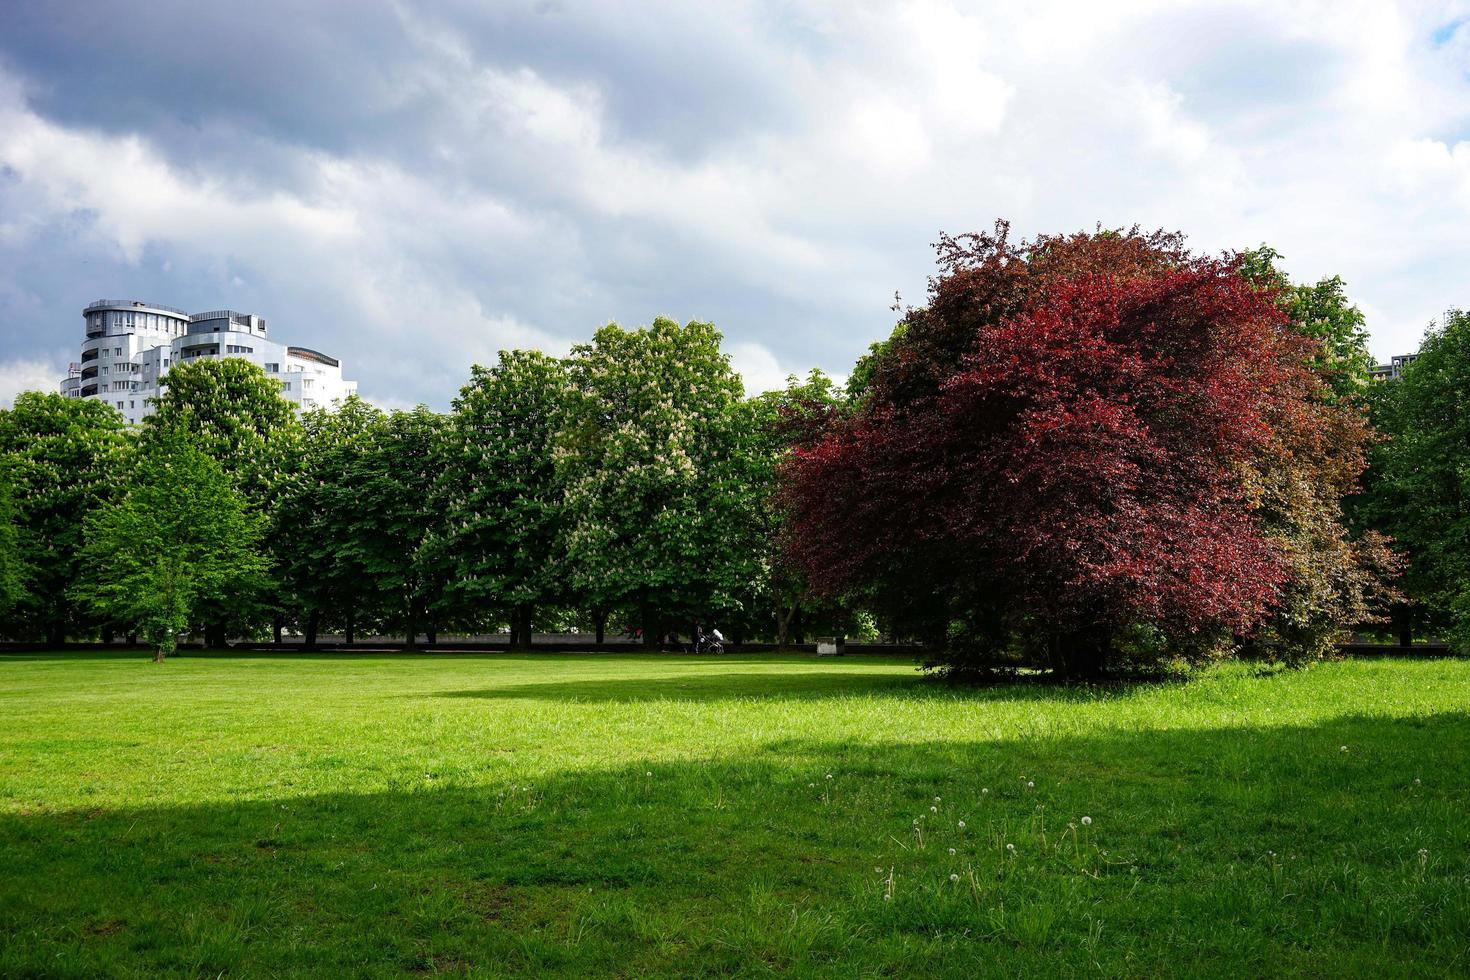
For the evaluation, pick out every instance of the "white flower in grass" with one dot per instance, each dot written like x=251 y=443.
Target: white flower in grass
x=648 y=774
x=1416 y=780
x=811 y=785
x=829 y=775
x=1343 y=749
x=954 y=877
x=887 y=898
x=962 y=825
x=1087 y=821
x=951 y=852
x=934 y=809
x=1011 y=848
x=1030 y=784
x=916 y=823
x=936 y=799
x=985 y=790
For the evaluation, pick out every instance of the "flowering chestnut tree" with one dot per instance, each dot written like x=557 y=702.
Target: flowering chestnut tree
x=655 y=498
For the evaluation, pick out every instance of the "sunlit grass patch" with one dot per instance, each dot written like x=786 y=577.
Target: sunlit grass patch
x=669 y=815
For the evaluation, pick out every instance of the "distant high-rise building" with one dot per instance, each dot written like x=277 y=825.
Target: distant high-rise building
x=1394 y=367
x=131 y=345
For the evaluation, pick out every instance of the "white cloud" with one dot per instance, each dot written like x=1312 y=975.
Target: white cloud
x=758 y=368
x=21 y=375
x=528 y=210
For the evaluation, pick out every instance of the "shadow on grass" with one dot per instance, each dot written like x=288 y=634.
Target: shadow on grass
x=734 y=682
x=727 y=684
x=1221 y=852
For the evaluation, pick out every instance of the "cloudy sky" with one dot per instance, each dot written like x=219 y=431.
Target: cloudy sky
x=413 y=189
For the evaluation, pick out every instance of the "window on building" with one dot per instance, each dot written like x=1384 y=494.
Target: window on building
x=287 y=386
x=272 y=368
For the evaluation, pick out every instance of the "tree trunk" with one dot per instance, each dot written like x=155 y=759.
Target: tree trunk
x=313 y=623
x=108 y=635
x=55 y=634
x=276 y=627
x=350 y=633
x=132 y=639
x=521 y=624
x=645 y=619
x=1405 y=617
x=214 y=636
x=411 y=633
x=601 y=626
x=158 y=655
x=433 y=631
x=783 y=625
x=1083 y=654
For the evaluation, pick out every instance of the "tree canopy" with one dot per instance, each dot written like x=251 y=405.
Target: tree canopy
x=648 y=459
x=65 y=458
x=1051 y=454
x=178 y=539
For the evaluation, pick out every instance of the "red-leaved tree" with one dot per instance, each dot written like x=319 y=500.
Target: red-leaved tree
x=1055 y=452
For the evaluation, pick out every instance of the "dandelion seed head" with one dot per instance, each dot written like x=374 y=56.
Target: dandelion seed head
x=1087 y=821
x=934 y=809
x=962 y=825
x=1342 y=749
x=1011 y=848
x=954 y=877
x=951 y=852
x=1030 y=784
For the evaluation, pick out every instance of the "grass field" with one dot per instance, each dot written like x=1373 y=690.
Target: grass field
x=644 y=815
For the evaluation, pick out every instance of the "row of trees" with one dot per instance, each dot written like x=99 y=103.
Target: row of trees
x=629 y=484
x=1081 y=451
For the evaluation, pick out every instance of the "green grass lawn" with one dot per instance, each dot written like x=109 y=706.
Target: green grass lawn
x=644 y=815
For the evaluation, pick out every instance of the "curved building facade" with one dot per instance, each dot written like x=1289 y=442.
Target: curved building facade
x=130 y=346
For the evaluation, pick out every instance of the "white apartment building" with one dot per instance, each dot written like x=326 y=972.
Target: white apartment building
x=130 y=346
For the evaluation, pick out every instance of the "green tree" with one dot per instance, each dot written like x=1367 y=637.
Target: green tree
x=1419 y=486
x=12 y=574
x=1323 y=312
x=317 y=515
x=179 y=540
x=501 y=542
x=654 y=493
x=392 y=480
x=64 y=457
x=235 y=413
